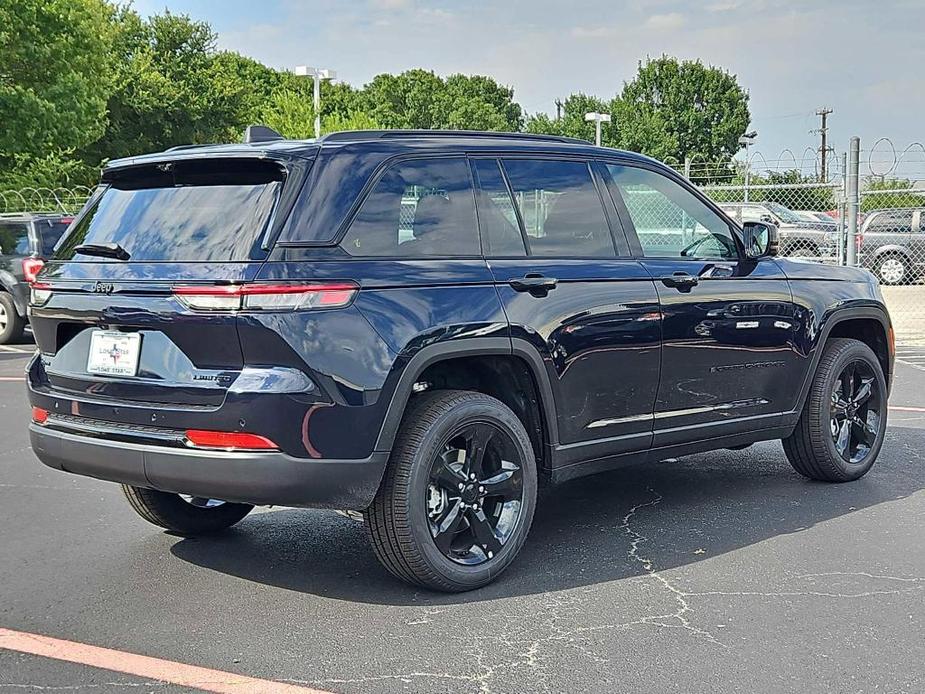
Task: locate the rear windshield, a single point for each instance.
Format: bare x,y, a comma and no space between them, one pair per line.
50,232
213,210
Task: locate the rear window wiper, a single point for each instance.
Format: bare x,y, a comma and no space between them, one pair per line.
104,250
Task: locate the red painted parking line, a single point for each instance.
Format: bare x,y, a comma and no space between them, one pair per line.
901,408
19,379
144,666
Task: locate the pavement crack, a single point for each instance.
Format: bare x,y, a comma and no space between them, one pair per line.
678,618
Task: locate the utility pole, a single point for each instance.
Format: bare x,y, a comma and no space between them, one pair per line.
597,119
559,106
823,132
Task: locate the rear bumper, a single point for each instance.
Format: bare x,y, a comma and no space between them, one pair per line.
260,478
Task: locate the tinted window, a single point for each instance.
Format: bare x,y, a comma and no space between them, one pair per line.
560,207
669,220
497,218
205,211
418,208
50,232
898,221
14,239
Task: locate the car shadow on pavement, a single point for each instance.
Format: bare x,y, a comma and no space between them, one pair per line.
677,512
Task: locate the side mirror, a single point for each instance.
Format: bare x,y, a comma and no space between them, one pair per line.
762,240
768,219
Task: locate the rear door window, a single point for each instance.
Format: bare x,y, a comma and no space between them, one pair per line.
14,238
215,210
891,222
562,212
421,207
498,223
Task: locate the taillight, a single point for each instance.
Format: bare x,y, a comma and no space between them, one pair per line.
39,416
266,297
40,293
858,240
31,268
228,440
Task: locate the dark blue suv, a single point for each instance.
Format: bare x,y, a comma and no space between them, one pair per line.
427,326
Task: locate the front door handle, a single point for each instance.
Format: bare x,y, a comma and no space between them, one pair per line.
681,281
536,284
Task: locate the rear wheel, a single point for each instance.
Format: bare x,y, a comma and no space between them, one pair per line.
841,429
893,269
457,499
182,513
11,323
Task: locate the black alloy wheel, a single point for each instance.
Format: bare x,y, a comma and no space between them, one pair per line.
857,406
475,496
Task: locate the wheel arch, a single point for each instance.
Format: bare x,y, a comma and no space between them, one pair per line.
868,325
485,365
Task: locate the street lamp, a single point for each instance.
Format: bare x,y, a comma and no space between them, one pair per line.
317,74
746,141
598,118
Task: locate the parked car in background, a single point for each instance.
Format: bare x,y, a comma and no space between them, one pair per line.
26,239
821,220
891,243
797,236
425,326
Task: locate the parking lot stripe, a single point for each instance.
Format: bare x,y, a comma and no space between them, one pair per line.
13,378
143,666
7,348
902,408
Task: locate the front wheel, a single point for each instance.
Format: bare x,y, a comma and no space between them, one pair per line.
457,499
184,514
841,429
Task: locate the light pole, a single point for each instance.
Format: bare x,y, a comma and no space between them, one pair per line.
746,140
317,74
598,118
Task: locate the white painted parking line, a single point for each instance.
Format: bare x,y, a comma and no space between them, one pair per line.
143,666
19,350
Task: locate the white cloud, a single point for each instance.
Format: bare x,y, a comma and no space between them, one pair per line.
666,22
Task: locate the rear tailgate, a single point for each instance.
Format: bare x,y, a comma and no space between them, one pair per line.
111,328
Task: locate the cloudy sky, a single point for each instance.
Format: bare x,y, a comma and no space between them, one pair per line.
863,58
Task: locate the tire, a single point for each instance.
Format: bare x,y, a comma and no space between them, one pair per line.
893,269
11,323
813,447
187,518
404,517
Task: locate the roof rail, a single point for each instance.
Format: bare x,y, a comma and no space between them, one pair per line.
353,135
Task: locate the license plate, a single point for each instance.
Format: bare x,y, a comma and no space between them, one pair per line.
114,353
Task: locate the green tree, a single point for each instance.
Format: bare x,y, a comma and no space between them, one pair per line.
573,123
54,78
173,88
675,109
420,99
875,200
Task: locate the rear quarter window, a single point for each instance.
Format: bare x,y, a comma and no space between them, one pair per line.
421,207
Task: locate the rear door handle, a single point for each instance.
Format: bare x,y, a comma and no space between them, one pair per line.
681,281
537,285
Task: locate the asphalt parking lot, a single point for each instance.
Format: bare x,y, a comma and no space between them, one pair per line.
724,572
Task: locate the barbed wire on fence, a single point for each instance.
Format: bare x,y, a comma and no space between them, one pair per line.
40,199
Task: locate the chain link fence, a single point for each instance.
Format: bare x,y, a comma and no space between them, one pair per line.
808,200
